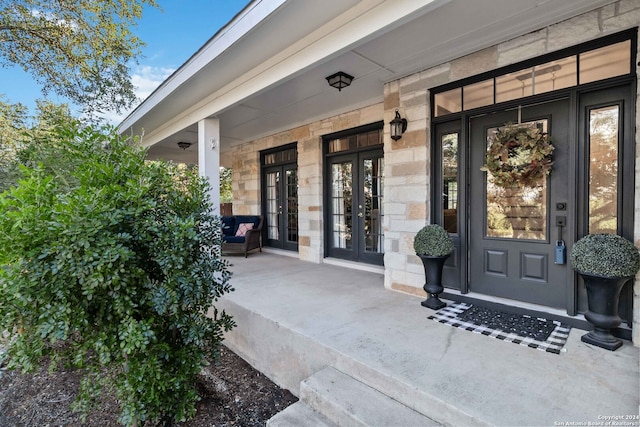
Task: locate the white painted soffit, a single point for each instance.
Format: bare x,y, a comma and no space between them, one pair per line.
345,23
272,78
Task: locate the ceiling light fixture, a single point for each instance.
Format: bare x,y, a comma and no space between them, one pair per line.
184,145
339,80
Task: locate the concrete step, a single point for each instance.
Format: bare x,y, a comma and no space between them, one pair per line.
349,402
299,415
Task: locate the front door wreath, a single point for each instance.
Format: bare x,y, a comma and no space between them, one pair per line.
519,156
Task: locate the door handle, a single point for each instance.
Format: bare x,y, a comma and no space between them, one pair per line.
360,215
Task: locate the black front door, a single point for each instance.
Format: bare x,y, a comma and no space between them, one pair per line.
513,232
355,206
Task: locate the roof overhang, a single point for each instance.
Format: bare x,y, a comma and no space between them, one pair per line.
265,70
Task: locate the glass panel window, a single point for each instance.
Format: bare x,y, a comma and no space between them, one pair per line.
449,153
512,86
284,156
273,209
269,159
341,204
373,205
555,75
597,64
290,155
448,102
606,62
292,205
517,212
353,142
343,144
542,78
603,169
370,138
478,94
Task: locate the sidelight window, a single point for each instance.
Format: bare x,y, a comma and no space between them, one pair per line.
604,135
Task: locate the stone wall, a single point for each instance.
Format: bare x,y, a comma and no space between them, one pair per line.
407,161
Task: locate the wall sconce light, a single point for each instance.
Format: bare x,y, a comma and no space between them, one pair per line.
184,145
398,126
339,80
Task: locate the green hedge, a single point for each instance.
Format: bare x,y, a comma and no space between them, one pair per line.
110,261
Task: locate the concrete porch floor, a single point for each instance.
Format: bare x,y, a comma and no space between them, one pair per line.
296,318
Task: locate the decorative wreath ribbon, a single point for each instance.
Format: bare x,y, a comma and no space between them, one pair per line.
519,156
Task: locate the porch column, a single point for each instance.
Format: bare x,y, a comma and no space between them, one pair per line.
209,157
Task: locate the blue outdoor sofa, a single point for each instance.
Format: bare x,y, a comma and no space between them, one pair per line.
248,238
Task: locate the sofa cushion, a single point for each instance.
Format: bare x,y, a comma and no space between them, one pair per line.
243,227
228,225
233,239
254,219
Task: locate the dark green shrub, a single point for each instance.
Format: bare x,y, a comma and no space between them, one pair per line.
111,264
605,255
432,240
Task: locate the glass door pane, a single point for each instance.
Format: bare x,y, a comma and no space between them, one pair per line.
603,170
449,155
273,205
373,205
292,205
341,200
517,212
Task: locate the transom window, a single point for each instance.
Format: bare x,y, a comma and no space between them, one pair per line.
282,156
354,142
585,67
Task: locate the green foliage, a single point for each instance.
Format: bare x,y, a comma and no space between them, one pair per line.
13,119
20,133
226,185
112,264
80,50
605,255
432,240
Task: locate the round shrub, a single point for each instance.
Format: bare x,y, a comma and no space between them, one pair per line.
432,240
605,255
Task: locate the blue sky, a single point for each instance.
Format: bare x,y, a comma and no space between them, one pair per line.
172,36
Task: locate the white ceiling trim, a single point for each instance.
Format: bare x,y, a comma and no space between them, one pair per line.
368,19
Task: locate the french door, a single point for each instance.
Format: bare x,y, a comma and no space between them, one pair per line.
514,231
280,198
355,206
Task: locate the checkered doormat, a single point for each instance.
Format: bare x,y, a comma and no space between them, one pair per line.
551,341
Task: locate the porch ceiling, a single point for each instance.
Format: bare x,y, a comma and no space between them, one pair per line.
437,32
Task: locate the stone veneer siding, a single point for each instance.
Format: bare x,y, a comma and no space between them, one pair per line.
407,161
245,161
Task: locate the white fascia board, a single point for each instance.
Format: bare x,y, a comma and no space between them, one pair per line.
347,29
239,26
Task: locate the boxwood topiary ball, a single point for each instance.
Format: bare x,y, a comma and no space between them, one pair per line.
605,255
432,240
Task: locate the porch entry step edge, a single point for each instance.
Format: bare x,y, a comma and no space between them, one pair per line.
346,401
297,415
